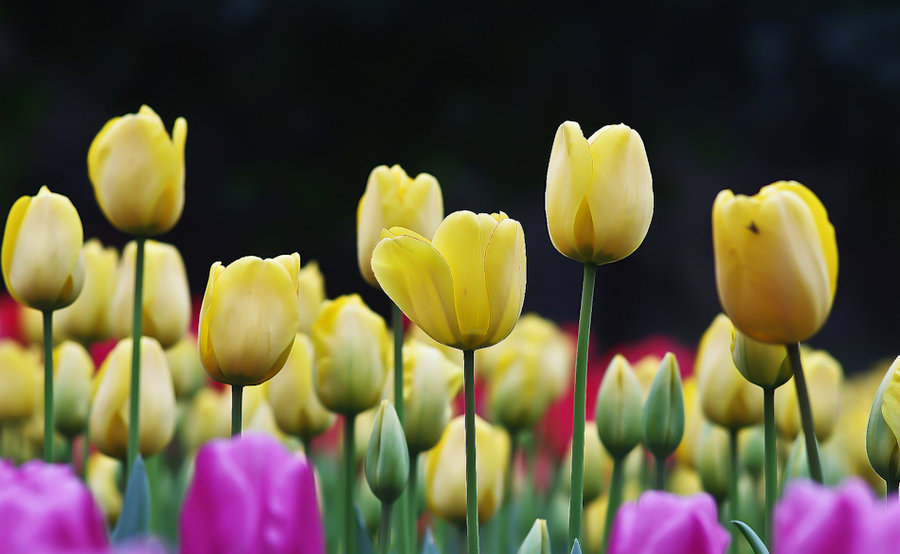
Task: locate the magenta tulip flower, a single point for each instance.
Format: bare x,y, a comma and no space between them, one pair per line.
663,522
250,495
46,508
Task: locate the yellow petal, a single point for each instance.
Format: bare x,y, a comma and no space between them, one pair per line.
568,180
207,352
504,265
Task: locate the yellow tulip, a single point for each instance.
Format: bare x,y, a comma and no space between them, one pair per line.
764,365
727,399
73,369
595,523
645,369
776,261
184,364
465,288
110,408
352,355
693,422
684,480
430,383
597,465
207,417
311,295
102,480
393,199
445,470
87,319
297,409
41,254
19,373
166,309
248,318
824,378
599,197
138,172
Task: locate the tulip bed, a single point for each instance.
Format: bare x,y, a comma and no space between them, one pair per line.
274,419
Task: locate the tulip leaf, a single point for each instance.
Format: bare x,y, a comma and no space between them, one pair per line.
752,538
428,546
576,548
363,542
134,521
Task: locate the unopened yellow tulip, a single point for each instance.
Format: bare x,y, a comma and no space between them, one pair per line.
311,295
599,197
352,355
110,409
138,172
430,383
248,318
166,308
776,261
824,378
41,254
445,470
207,418
73,369
298,411
727,399
764,365
393,199
465,288
87,319
103,482
184,364
19,375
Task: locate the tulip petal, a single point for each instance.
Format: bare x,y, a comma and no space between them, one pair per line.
504,269
10,238
568,180
207,353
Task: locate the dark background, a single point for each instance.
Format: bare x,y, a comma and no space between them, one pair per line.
290,105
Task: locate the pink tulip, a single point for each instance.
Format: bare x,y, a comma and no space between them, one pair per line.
250,495
663,522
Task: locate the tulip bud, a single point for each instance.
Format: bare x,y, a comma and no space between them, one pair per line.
19,373
310,296
138,172
73,369
352,355
184,363
248,318
619,408
764,365
110,408
712,460
166,309
537,541
599,196
393,199
882,430
102,477
87,319
430,383
207,418
297,409
597,465
387,458
824,377
41,254
663,417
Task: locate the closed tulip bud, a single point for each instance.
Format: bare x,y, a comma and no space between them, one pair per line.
393,199
884,428
110,407
73,369
87,319
42,263
445,470
764,365
138,172
248,318
102,477
166,309
597,465
387,457
297,409
430,383
310,296
184,364
776,261
537,541
352,355
207,418
712,460
619,408
19,373
599,197
465,288
663,418
727,399
824,377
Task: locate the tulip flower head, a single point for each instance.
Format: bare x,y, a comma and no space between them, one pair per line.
87,319
883,429
187,370
824,377
387,456
73,369
764,365
310,296
102,477
430,382
663,415
207,418
19,376
537,541
298,411
619,408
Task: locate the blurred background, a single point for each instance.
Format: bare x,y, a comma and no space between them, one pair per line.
291,104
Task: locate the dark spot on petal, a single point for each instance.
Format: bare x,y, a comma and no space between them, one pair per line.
753,228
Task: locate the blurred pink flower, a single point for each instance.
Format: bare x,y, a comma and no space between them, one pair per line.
664,522
250,495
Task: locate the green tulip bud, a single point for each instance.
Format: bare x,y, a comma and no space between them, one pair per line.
712,461
387,459
663,420
881,444
538,539
619,406
764,365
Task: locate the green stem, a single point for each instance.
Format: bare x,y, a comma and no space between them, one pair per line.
237,409
659,482
806,418
397,324
307,448
733,488
349,479
616,484
471,477
771,461
136,332
384,532
890,492
48,386
581,354
503,540
413,502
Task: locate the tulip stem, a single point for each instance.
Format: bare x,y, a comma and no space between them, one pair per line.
733,487
660,466
397,324
503,540
771,467
136,332
616,484
384,532
48,386
806,418
581,354
471,477
413,499
349,474
237,409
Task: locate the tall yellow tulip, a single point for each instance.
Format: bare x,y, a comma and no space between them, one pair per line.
297,409
87,319
19,373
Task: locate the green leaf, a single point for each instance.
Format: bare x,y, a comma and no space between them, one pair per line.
752,538
576,548
363,543
134,522
428,547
